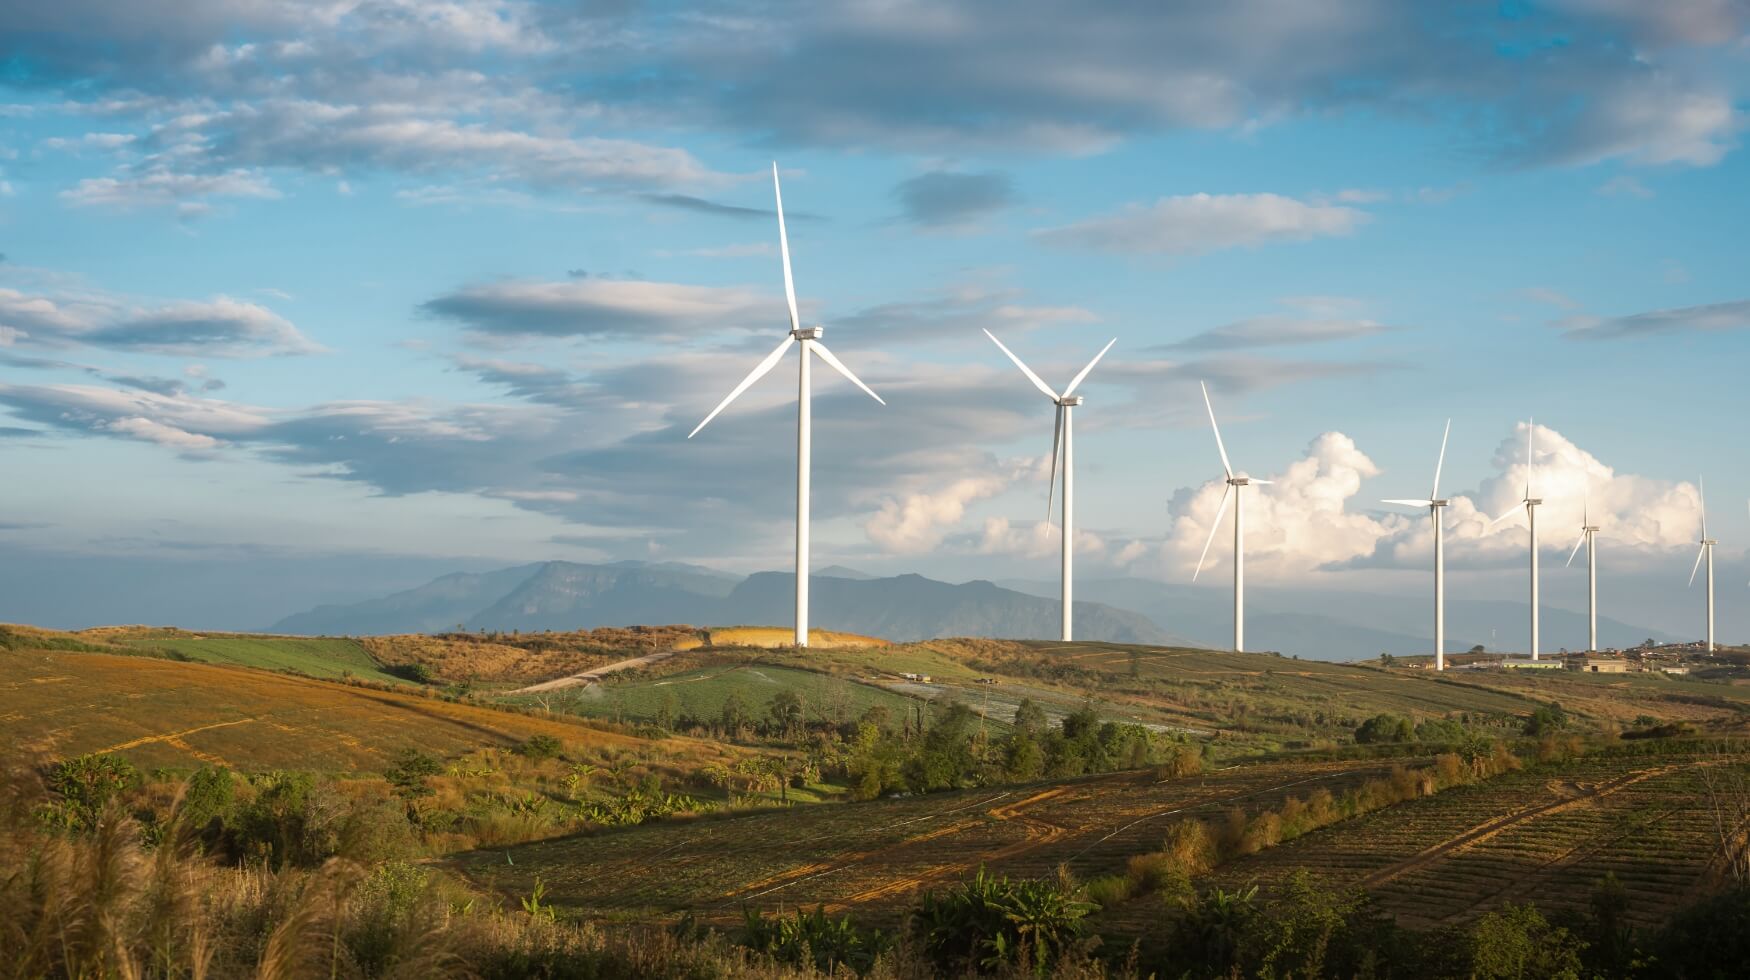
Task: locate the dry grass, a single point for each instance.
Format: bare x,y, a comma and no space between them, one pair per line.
169,713
783,636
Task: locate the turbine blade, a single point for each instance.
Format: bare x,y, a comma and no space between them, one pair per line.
1438,466
1214,526
1042,386
839,366
747,382
1254,481
1701,490
1056,440
1410,503
1576,550
784,247
1510,512
1090,367
1206,404
1697,568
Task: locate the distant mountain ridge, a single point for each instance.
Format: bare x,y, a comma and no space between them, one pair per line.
561,595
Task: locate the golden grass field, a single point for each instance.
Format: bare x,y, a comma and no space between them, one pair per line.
782,636
169,713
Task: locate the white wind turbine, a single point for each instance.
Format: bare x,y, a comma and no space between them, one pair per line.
1060,439
1707,551
1235,489
1530,504
1434,504
810,338
1588,533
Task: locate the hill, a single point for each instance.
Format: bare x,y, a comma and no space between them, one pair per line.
571,596
170,713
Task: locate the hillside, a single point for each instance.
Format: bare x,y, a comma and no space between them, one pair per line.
570,596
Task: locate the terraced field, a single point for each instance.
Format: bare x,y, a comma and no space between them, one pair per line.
171,713
1532,835
875,857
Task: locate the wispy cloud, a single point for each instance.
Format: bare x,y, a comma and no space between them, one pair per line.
1712,318
1196,223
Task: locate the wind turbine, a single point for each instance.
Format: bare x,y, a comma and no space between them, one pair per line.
1588,531
811,345
1060,439
1530,504
1235,489
1707,551
1434,504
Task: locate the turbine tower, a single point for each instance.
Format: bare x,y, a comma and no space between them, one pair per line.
1530,504
1588,531
1434,504
1236,486
811,345
1060,440
1707,551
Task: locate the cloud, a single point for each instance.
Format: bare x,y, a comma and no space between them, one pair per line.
602,308
944,198
1647,119
219,327
1639,515
1298,524
178,421
699,205
1712,318
959,312
1276,330
1624,185
188,194
917,523
1196,223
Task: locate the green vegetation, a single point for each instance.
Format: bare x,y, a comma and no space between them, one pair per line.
311,656
732,696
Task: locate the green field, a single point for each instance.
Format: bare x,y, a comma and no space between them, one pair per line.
325,657
702,693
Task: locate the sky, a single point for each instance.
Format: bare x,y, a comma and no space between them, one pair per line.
442,285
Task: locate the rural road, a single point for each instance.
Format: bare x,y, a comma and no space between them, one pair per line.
593,676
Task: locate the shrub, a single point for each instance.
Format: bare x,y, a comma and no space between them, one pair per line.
991,924
1517,942
409,772
416,672
539,747
1384,728
813,938
85,785
1546,719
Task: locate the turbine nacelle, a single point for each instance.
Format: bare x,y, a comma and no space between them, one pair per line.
808,333
1069,401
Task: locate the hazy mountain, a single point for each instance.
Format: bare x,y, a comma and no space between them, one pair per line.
911,607
566,595
1346,625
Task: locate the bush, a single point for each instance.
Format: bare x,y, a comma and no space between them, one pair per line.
415,672
540,747
1518,942
992,924
1384,729
813,938
409,772
85,785
1547,719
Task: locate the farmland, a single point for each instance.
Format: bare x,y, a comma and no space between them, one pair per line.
172,713
1541,835
874,858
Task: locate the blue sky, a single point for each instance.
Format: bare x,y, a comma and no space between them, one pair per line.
453,280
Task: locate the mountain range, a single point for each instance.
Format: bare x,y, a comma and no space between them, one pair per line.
561,595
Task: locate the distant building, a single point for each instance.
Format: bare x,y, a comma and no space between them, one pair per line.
1674,669
1532,664
1596,664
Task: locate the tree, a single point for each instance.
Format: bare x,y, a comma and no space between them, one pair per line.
1029,717
1384,728
1518,941
1546,719
786,711
1479,648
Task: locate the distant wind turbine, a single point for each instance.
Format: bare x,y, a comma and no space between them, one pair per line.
1236,486
1530,504
810,338
1588,531
1060,439
1707,551
1434,504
